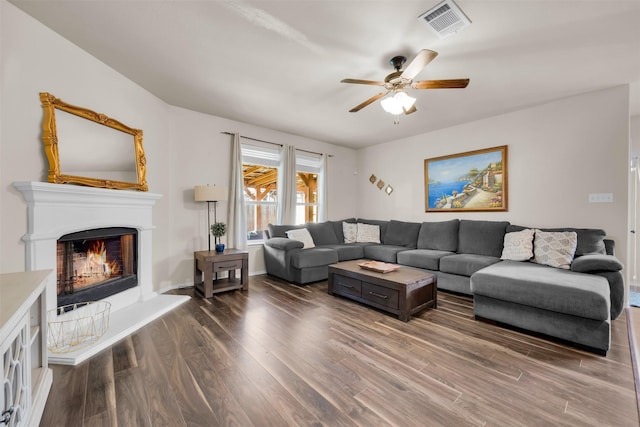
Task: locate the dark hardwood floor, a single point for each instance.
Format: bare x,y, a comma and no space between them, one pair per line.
293,355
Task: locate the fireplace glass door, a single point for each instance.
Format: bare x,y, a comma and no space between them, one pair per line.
95,264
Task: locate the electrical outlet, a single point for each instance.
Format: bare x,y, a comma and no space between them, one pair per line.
601,198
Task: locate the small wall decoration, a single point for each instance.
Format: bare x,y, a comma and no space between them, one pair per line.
380,184
475,181
388,190
372,178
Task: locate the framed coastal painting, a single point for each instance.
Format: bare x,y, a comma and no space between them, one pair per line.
475,181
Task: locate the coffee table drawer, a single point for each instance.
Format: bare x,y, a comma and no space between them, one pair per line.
379,295
344,285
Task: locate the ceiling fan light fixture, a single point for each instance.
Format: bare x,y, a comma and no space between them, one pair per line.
398,103
405,100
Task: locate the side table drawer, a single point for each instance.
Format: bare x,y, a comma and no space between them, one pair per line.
227,265
380,295
346,285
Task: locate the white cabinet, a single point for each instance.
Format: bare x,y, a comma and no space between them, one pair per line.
25,379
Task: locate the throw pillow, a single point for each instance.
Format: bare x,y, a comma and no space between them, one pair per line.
368,233
555,249
350,231
518,246
301,234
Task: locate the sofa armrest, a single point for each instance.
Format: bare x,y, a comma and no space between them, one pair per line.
596,262
284,244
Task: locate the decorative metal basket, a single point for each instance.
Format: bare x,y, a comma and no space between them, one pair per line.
74,326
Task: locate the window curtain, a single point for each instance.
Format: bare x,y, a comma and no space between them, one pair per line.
236,214
323,192
287,185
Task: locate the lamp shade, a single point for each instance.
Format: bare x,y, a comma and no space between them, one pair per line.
210,193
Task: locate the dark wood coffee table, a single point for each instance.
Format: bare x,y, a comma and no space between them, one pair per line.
403,292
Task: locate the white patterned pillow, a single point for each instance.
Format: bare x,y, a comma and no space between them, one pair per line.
518,246
303,235
368,233
555,249
350,232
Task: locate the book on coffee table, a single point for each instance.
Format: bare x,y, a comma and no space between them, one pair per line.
377,266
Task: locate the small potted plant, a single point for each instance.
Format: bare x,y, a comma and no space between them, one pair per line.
218,230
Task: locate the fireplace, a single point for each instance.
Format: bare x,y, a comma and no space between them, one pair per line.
95,264
59,213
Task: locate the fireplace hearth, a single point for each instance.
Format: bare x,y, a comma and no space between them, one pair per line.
95,264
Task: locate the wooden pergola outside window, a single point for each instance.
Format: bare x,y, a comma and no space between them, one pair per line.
261,185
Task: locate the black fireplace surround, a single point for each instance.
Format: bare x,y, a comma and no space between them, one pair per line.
95,264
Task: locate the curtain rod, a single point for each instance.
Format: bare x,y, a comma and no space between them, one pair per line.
273,143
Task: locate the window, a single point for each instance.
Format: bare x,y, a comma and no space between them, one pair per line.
260,172
307,170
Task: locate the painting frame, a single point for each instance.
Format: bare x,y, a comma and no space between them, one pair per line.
473,181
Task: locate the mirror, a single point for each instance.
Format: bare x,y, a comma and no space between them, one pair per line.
97,151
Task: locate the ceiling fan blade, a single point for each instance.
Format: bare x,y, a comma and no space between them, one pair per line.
367,102
362,82
413,109
441,84
422,59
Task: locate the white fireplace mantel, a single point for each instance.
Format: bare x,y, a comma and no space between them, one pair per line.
58,209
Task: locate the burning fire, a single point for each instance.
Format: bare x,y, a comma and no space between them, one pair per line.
96,262
93,266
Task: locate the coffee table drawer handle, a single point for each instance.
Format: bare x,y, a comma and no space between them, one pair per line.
378,295
346,286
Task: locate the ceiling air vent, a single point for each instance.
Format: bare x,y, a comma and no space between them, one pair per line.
445,19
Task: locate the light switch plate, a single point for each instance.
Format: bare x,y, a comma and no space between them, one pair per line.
601,198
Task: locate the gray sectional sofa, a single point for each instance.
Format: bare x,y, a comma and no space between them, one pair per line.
575,304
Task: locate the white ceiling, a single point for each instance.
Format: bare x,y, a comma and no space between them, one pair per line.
278,64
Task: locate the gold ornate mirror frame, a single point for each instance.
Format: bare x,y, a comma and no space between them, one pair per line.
51,146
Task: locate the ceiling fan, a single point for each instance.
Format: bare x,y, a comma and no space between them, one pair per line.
396,83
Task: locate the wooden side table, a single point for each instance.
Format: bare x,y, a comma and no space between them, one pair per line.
207,263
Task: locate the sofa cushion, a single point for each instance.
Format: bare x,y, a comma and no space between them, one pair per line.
400,233
337,228
590,240
465,264
348,252
518,245
301,234
314,257
439,236
367,233
535,285
422,258
555,249
481,237
385,253
281,230
322,233
596,262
